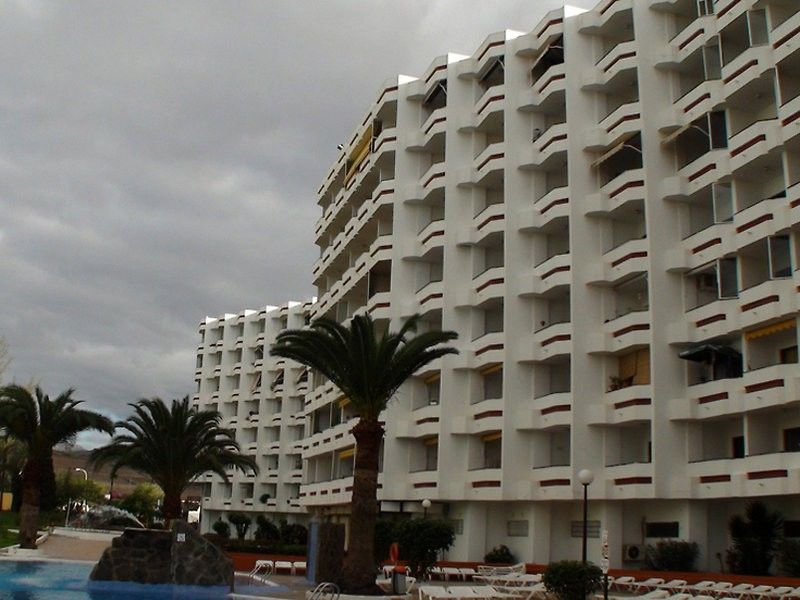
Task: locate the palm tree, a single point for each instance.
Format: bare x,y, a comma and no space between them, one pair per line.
173,445
39,424
368,368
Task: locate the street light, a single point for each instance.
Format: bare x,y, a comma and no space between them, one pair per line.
585,477
85,474
426,504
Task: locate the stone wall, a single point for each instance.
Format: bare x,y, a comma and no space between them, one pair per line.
180,556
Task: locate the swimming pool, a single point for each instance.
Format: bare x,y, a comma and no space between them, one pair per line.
52,580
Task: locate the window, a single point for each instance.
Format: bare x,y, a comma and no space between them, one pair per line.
728,278
737,446
780,260
492,452
668,529
705,7
723,202
432,391
718,129
757,21
592,529
788,356
791,439
431,456
712,62
493,385
517,528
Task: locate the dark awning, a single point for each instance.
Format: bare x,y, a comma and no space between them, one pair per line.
706,352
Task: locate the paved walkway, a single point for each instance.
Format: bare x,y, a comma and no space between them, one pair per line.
71,548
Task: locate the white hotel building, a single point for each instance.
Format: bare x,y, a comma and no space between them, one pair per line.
607,210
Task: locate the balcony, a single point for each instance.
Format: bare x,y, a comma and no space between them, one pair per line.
482,417
378,305
694,36
761,220
337,491
703,246
550,342
634,480
423,422
385,142
553,205
552,274
431,236
704,171
776,385
545,412
489,284
617,126
546,149
432,129
789,115
620,58
490,162
632,404
771,299
786,37
746,68
621,262
694,104
552,483
491,102
422,484
594,20
709,400
623,189
714,319
490,220
771,474
483,351
483,484
430,297
624,332
546,90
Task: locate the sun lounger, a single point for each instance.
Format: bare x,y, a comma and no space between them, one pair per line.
433,592
283,565
449,572
703,597
720,587
647,585
623,583
673,585
298,566
700,586
490,592
795,593
467,572
654,595
740,590
757,592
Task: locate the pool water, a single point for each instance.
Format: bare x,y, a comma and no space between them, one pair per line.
50,580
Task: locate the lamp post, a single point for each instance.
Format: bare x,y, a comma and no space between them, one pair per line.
85,474
586,477
426,504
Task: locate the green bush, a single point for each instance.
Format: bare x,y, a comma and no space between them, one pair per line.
420,541
258,547
266,530
572,579
384,536
241,523
222,529
755,540
293,534
77,488
671,555
789,558
499,555
143,501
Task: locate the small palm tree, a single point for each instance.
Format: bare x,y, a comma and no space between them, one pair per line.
368,368
39,424
173,445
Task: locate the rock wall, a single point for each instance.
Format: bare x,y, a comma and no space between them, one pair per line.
180,556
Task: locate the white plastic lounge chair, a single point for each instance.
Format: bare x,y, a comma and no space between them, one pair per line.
449,572
720,587
298,566
467,572
647,585
703,597
654,595
700,586
283,565
756,592
623,584
795,593
388,570
433,591
740,590
680,596
487,591
673,585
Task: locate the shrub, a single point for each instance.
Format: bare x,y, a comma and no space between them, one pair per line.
222,529
499,555
420,541
572,579
293,534
266,530
263,498
671,555
755,540
384,536
143,501
241,522
789,558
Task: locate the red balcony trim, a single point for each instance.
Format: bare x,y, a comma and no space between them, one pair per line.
764,385
714,478
489,47
771,474
627,257
425,484
431,178
488,414
556,77
312,493
706,96
565,337
709,320
489,348
633,480
427,420
384,141
434,122
490,100
489,158
436,70
323,493
336,491
791,119
727,8
554,203
387,90
619,58
706,245
633,402
631,328
786,38
712,398
605,9
489,220
702,171
377,306
302,494
759,138
349,488
555,270
691,38
429,298
554,482
621,121
486,484
754,222
548,25
495,281
553,140
432,235
622,188
740,70
556,409
761,302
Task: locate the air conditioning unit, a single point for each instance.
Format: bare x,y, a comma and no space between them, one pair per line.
632,553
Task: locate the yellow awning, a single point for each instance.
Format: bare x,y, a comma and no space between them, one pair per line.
490,437
348,453
344,401
613,151
675,135
433,377
431,441
360,152
769,329
491,369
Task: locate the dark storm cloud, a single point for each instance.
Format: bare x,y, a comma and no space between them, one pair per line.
158,163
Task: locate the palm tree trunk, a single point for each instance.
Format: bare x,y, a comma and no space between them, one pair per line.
358,574
172,507
29,511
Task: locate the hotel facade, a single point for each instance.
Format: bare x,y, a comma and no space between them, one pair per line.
607,210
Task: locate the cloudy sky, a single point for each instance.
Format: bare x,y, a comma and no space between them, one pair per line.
159,161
